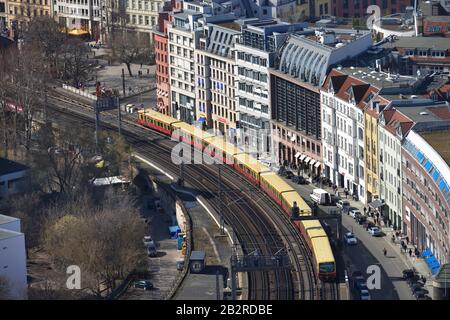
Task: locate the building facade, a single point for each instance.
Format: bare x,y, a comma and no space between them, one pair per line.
302,66
183,31
393,126
3,15
255,54
83,15
357,8
21,12
142,15
13,264
13,177
161,43
344,99
426,191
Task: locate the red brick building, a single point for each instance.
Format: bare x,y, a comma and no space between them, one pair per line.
160,40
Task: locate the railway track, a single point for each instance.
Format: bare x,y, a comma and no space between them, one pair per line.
256,231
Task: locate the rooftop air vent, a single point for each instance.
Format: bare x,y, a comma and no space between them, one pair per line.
423,113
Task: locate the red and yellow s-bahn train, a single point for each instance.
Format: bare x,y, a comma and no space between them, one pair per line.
258,174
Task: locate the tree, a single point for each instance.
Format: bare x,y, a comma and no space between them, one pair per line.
128,48
76,63
44,33
104,240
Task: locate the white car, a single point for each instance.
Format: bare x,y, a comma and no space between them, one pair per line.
343,204
354,212
374,231
147,240
350,238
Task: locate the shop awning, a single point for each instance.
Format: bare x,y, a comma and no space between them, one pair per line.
297,155
307,160
317,164
376,204
294,137
427,253
312,162
303,156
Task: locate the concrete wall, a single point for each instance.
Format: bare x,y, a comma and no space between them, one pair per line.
13,263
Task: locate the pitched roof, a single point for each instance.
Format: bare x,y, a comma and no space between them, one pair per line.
9,166
395,119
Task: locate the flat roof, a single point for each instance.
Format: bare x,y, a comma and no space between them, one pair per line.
419,42
197,255
7,234
425,112
291,196
159,116
276,181
229,25
223,145
440,142
7,219
322,249
8,166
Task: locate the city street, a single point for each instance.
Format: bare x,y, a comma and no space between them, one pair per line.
368,251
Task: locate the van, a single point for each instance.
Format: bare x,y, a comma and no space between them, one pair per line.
320,196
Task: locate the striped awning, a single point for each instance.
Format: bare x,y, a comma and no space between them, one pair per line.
312,162
303,156
297,155
318,164
307,160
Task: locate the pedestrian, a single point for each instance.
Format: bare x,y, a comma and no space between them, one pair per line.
148,71
410,252
384,252
141,65
365,210
407,240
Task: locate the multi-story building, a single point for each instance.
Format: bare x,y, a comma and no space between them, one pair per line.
357,8
13,177
142,15
419,55
13,263
21,12
83,15
255,54
160,41
215,78
344,99
426,178
184,31
3,15
393,126
302,66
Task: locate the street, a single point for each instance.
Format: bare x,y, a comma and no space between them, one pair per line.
368,251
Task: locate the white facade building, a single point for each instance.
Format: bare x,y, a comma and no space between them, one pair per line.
79,14
342,103
142,15
13,267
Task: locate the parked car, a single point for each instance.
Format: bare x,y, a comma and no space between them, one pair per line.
143,284
334,199
419,289
350,238
289,174
408,273
361,219
353,212
343,204
421,295
358,280
147,239
151,249
364,295
374,231
299,180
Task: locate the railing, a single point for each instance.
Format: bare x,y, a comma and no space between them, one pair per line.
79,92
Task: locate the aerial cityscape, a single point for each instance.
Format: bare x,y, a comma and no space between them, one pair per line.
224,150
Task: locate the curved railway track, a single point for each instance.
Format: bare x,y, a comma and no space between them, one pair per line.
264,232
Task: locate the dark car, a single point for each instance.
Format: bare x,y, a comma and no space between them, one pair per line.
413,280
421,295
334,199
289,174
408,273
143,284
299,180
419,289
361,219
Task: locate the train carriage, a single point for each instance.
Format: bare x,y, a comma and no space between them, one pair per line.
249,167
157,121
221,149
319,244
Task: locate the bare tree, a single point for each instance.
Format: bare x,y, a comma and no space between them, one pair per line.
128,48
105,241
75,60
